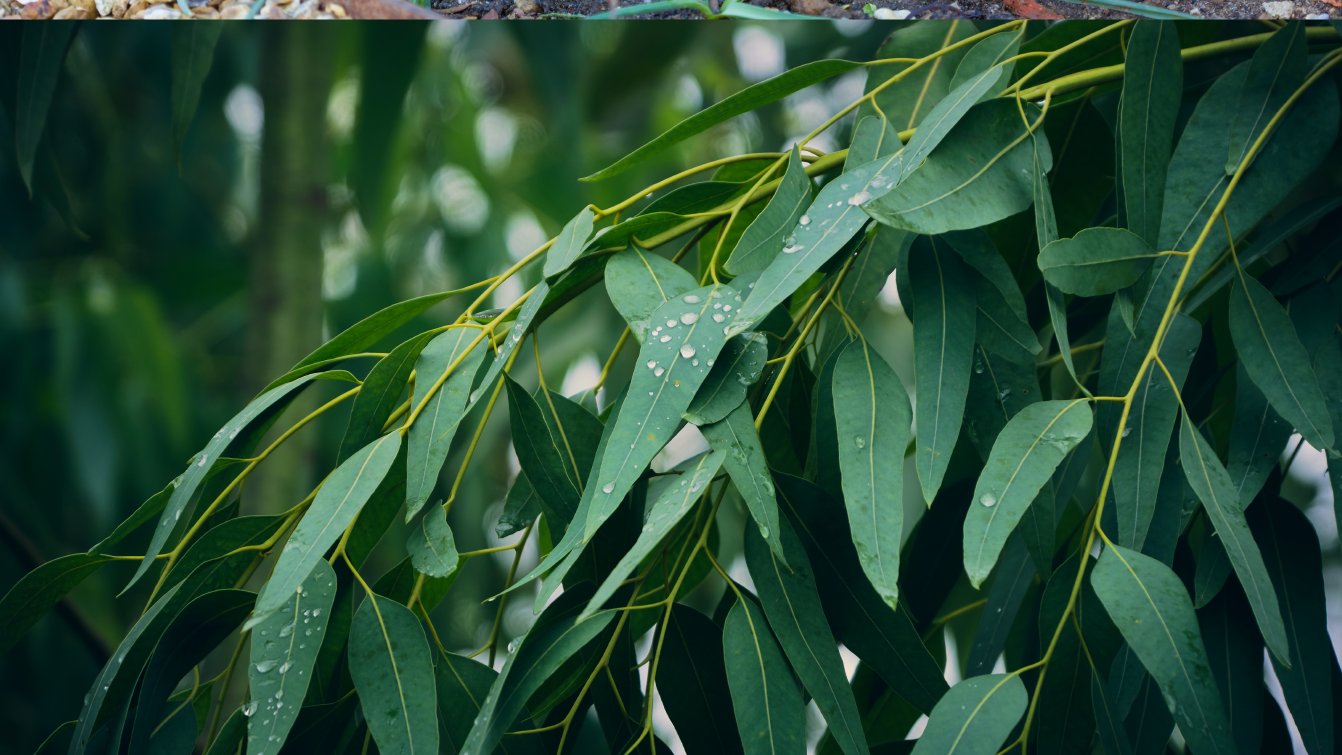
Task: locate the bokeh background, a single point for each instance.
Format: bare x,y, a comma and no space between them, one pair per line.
332,170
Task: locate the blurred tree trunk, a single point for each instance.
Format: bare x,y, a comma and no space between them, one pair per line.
286,273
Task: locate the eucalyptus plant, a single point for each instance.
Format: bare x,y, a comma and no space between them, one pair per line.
1117,243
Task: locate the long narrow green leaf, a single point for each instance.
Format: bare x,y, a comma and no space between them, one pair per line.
738,367
1257,438
1096,261
908,101
432,548
462,686
569,244
1276,71
832,221
692,682
192,55
975,717
793,608
978,174
340,499
882,636
389,60
1150,606
148,510
1152,90
1108,724
1002,324
873,137
743,457
763,239
638,282
43,54
543,458
688,335
1217,492
1291,553
1276,361
1235,651
983,56
392,669
431,435
872,417
1023,459
41,589
668,511
223,539
948,112
379,396
766,700
744,101
943,347
284,651
1015,576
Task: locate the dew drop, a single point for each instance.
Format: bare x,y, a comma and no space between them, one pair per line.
1127,431
286,631
805,220
710,363
692,299
689,318
652,364
861,197
265,666
717,317
608,488
307,632
203,458
978,368
988,500
695,363
316,612
792,249
860,441
648,527
250,708
664,339
658,372
670,323
764,532
687,351
285,668
716,294
727,308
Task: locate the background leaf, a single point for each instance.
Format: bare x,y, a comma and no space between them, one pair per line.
692,680
765,697
1152,89
192,55
393,671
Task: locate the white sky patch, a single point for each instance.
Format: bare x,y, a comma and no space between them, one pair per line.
759,53
462,203
495,136
522,234
581,375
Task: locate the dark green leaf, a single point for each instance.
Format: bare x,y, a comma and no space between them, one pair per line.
520,508
1291,553
432,549
41,589
883,637
1152,88
202,624
543,457
379,396
792,605
639,282
763,239
1002,324
998,388
1272,354
225,538
43,55
1312,263
320,728
1257,438
1023,459
872,417
54,736
462,685
743,457
975,717
1096,261
192,54
765,699
1066,715
669,509
1277,70
229,738
569,243
1150,606
284,651
949,111
393,672
148,510
908,101
1150,723
990,52
1217,491
865,280
692,681
431,435
338,502
738,367
1108,724
978,174
873,137
943,347
743,101
1015,575
1235,651
389,61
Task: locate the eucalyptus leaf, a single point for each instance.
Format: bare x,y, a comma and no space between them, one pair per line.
148,510
1276,71
743,457
1235,651
431,435
1257,438
569,243
543,457
40,590
765,698
950,110
379,396
738,367
639,282
1014,577
432,549
392,669
873,137
907,101
1152,89
192,54
692,682
40,64
1096,261
974,717
462,686
763,239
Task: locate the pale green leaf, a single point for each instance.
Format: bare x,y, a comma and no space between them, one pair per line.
949,111
735,436
431,435
873,137
763,239
432,549
1096,261
569,243
736,369
975,717
908,101
638,282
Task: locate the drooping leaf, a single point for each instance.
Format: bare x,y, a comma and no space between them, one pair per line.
998,389
1276,71
743,457
1152,88
41,589
1235,652
1023,459
520,508
431,435
1257,438
148,510
339,501
40,63
763,239
1065,710
882,636
53,737
757,95
1291,554
284,651
975,717
1150,607
202,624
1150,723
1108,725
990,52
978,174
692,682
948,112
201,464
543,457
569,243
671,367
379,396
462,686
736,369
551,641
862,286
943,347
1002,324
668,510
393,672
1276,361
1015,575
832,221
225,538
192,55
432,549
639,282
908,101
792,605
873,137
1096,261
388,62
872,417
1217,492
765,699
